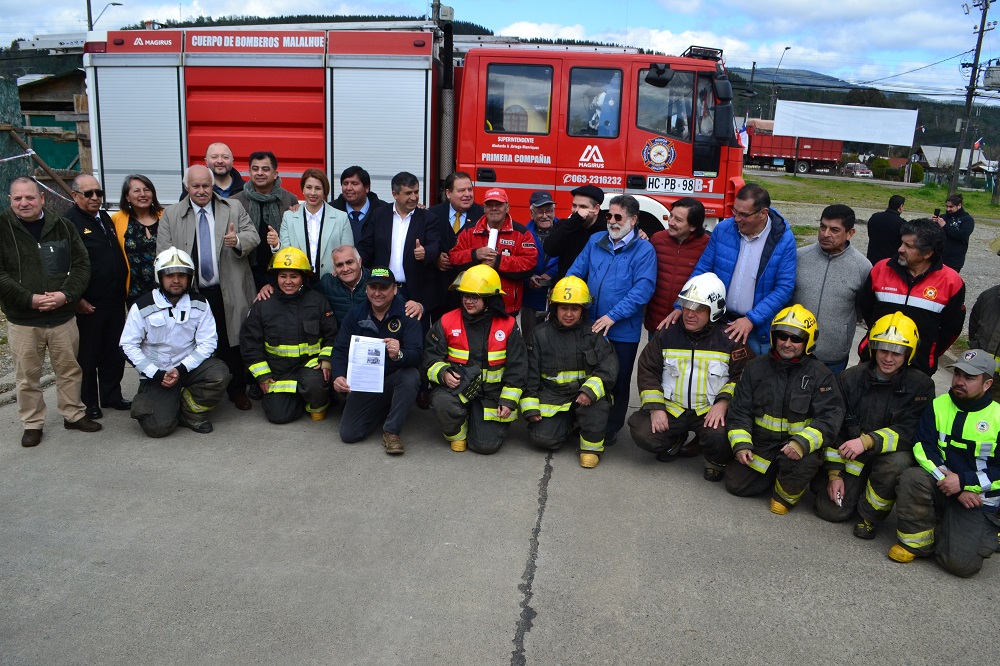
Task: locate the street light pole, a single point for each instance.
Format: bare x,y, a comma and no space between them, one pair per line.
91,21
774,91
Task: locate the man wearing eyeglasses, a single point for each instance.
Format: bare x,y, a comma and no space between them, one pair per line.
753,253
101,310
44,268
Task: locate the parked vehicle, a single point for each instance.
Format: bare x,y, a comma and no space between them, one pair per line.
407,96
798,154
857,170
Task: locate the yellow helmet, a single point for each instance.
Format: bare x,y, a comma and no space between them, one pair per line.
896,333
570,291
290,259
481,280
797,321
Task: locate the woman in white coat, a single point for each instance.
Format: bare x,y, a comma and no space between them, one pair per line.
315,228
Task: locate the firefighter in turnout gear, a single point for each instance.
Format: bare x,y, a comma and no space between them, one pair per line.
287,341
477,358
948,505
787,406
687,375
169,337
884,399
570,369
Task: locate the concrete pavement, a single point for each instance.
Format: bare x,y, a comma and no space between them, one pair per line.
282,545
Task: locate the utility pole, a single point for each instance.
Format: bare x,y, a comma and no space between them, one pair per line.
984,5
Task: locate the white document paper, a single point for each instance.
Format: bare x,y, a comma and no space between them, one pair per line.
492,242
366,364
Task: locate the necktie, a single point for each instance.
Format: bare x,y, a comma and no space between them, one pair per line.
356,224
457,223
205,246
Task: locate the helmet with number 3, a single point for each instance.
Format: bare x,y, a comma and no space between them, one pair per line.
570,291
290,259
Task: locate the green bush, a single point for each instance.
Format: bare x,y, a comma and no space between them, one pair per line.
916,173
879,167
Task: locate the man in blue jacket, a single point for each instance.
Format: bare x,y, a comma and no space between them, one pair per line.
619,268
753,253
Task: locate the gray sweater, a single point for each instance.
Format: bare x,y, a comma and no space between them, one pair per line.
828,287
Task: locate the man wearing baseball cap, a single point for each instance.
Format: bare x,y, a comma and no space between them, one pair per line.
536,288
948,505
499,242
381,315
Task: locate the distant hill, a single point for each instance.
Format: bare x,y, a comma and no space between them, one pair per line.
793,77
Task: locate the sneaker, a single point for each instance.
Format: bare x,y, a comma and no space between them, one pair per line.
200,427
458,445
392,443
589,460
83,425
900,554
31,437
865,530
778,508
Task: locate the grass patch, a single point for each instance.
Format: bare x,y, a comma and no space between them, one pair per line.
804,234
872,194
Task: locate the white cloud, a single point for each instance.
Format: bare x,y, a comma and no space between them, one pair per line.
528,30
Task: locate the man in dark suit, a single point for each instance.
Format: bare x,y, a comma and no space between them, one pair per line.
407,240
101,309
356,199
883,231
454,214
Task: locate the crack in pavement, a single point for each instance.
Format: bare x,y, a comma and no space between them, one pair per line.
528,613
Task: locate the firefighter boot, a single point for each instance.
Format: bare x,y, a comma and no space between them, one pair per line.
778,508
865,529
589,460
458,445
900,554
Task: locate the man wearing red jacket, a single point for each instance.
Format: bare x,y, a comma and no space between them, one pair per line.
919,285
513,254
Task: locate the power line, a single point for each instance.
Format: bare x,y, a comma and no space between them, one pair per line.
891,76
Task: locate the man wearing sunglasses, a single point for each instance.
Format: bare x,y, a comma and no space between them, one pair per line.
101,310
786,408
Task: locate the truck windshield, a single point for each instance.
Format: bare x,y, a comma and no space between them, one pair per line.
666,111
518,99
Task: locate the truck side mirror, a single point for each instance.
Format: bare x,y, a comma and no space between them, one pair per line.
723,90
659,75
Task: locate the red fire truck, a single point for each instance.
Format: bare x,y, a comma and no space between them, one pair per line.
394,97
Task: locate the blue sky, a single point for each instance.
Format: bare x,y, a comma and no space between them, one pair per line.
856,40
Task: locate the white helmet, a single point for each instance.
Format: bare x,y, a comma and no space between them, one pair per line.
705,289
173,260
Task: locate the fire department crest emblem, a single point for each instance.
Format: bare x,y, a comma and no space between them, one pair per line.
658,154
395,325
982,426
930,293
500,335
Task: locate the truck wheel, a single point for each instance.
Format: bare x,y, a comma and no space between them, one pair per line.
802,166
650,224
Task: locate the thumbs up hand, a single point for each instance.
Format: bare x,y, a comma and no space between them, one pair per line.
230,238
272,237
419,252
